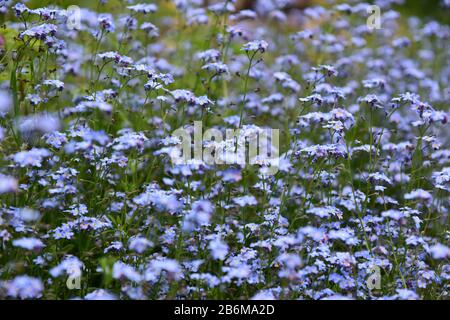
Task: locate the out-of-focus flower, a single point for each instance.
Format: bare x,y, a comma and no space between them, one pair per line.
25,287
100,294
200,215
29,243
218,248
256,45
8,184
439,251
139,244
33,157
5,102
144,8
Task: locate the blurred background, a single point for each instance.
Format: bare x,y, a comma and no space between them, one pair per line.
432,9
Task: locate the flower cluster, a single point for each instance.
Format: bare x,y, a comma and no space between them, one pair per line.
88,188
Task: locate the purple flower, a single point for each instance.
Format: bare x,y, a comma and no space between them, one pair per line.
216,67
405,294
42,123
200,215
139,244
106,22
70,266
25,287
419,194
218,248
40,32
245,201
8,184
29,243
325,212
144,8
156,267
100,294
256,45
6,102
439,251
124,271
33,157
20,8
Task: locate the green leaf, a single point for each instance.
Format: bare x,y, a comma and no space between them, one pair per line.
13,84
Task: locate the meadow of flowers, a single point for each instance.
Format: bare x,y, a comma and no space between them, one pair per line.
93,207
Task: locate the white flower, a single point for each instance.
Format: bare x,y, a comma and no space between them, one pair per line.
25,287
